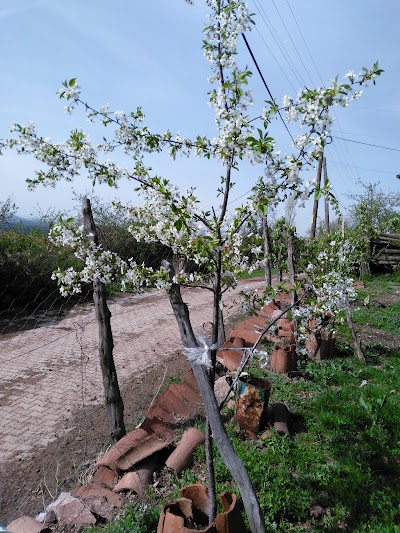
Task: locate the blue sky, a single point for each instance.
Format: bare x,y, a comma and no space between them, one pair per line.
131,53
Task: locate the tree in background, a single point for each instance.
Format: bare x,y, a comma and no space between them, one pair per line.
8,208
374,211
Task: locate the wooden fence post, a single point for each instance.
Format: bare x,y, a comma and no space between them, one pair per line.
113,399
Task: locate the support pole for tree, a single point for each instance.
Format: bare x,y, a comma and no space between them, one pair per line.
220,437
113,399
327,228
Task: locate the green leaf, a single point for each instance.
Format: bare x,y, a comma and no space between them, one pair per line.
178,224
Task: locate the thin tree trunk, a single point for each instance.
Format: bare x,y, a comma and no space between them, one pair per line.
221,328
267,251
226,450
113,399
356,344
212,491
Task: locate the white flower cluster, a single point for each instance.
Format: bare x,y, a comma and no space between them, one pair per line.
97,264
330,291
231,98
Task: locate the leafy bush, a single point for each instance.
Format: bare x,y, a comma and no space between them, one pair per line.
27,261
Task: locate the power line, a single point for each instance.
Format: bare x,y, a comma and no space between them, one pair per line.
304,41
291,40
264,82
366,144
277,62
278,41
341,156
363,168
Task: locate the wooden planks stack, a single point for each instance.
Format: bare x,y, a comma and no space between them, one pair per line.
386,249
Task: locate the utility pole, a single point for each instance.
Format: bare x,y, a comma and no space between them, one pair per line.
317,188
327,229
315,207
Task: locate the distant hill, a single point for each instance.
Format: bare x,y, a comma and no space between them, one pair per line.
24,225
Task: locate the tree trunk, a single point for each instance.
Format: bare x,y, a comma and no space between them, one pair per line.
221,328
113,399
267,251
356,344
226,450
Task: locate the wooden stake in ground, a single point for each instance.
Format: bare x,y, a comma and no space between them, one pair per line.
113,399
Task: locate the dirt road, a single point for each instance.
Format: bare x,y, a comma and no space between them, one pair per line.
48,372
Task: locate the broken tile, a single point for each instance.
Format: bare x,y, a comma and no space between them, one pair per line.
182,456
25,524
186,392
93,491
170,407
99,506
189,379
104,476
125,444
71,511
143,449
280,416
136,481
159,428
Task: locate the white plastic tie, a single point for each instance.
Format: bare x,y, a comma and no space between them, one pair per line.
201,355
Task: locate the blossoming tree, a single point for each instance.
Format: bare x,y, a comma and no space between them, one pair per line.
212,238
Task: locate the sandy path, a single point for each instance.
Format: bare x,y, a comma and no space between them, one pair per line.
48,372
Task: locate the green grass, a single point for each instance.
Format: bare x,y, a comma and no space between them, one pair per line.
344,457
255,274
378,286
387,319
372,315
